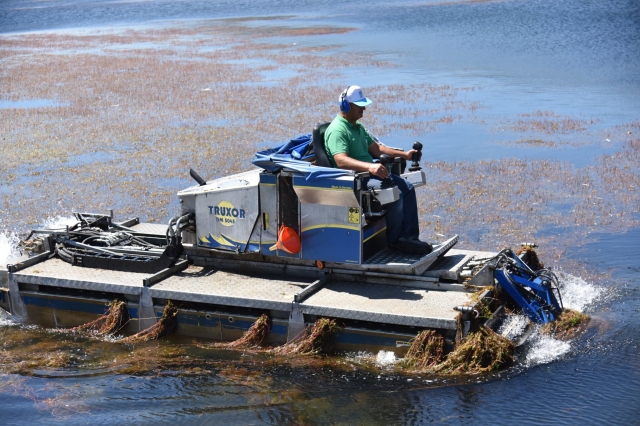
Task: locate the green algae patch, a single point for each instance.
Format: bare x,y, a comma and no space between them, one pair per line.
568,324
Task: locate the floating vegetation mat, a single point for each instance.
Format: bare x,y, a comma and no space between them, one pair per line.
481,351
567,325
549,123
112,321
105,133
499,201
164,326
426,351
253,337
318,339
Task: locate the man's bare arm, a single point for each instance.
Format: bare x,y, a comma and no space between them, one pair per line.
376,150
343,161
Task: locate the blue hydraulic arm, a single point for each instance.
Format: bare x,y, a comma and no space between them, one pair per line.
534,292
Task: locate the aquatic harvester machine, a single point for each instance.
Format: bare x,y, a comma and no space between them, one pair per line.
293,238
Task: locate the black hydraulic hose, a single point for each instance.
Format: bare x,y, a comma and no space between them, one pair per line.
64,254
557,290
93,237
143,242
88,247
176,231
170,232
115,225
553,278
132,238
177,220
186,217
186,225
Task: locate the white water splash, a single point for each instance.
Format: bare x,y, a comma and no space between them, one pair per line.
540,348
58,222
9,241
544,349
513,326
577,294
6,318
385,358
9,251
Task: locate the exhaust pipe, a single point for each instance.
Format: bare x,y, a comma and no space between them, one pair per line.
197,177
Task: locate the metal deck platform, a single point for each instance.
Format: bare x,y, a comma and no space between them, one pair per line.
377,303
386,304
205,285
449,266
57,273
390,291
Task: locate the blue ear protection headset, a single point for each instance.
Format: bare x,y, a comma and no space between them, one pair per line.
344,105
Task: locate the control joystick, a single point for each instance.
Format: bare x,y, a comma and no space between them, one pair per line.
386,161
415,165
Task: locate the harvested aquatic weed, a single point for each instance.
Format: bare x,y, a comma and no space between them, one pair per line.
481,300
318,339
567,325
426,351
112,321
164,326
251,338
530,257
481,351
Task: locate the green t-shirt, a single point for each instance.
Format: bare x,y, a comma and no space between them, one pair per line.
343,137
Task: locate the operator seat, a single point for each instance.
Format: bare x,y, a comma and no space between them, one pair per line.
371,203
317,139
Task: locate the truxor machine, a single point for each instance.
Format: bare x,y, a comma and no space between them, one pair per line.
294,239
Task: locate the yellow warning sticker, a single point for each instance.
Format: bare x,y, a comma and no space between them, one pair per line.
354,215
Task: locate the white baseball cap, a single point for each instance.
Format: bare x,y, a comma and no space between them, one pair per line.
355,96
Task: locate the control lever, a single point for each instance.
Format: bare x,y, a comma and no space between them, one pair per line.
415,165
397,166
385,160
